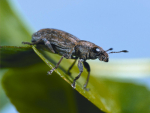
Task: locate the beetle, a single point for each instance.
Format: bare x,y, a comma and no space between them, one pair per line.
70,47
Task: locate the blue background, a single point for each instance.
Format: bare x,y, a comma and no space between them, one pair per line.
120,24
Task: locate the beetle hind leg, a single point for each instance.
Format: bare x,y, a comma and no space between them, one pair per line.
27,43
48,44
33,43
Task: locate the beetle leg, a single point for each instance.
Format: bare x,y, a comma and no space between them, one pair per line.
80,66
48,44
27,43
86,65
71,67
33,43
72,64
51,71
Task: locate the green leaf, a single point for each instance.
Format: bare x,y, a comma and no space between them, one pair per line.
12,56
109,94
30,89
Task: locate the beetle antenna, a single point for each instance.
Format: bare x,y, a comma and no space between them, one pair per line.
109,49
125,51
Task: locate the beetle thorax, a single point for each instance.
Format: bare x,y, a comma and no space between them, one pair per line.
83,50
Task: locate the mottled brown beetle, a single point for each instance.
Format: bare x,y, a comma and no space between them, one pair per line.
70,47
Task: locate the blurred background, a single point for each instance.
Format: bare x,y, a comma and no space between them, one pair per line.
117,24
122,25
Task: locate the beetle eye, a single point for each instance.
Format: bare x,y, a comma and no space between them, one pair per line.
97,50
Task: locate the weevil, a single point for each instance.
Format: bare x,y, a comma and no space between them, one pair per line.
70,47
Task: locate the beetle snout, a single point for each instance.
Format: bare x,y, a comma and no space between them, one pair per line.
103,58
107,59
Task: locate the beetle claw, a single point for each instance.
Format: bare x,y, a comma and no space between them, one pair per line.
84,87
73,85
50,72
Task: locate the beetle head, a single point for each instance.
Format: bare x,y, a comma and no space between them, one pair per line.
103,55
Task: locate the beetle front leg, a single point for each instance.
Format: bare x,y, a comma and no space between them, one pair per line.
51,71
80,66
87,66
